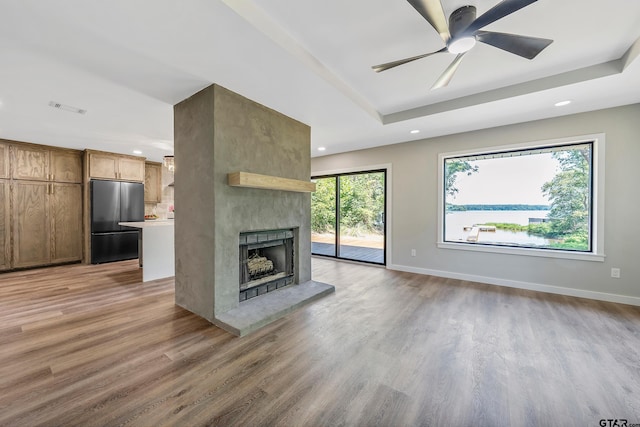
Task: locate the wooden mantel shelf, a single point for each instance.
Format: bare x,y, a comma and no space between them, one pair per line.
267,182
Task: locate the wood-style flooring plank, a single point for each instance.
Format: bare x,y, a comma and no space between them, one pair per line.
94,346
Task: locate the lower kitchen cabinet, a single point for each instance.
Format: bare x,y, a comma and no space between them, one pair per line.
65,208
31,238
46,223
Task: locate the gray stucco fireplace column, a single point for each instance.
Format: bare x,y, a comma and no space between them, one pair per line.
218,132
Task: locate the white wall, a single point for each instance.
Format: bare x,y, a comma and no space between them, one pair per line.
415,208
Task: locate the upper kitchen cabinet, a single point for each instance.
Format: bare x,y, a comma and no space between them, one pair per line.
104,165
131,169
30,162
38,163
66,166
4,160
152,182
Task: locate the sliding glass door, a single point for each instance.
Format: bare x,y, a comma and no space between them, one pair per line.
348,214
323,217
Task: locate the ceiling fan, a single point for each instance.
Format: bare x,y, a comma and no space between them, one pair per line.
464,29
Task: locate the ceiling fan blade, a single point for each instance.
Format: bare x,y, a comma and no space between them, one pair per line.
446,77
386,66
432,11
499,11
527,47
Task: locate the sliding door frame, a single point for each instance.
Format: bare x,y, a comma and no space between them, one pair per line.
337,174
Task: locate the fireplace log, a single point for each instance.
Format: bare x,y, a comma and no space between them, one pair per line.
259,264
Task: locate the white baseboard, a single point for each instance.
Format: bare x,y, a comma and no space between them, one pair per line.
581,293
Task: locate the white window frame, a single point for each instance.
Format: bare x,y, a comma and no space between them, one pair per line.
597,231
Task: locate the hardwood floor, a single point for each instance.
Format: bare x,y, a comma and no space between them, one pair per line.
92,345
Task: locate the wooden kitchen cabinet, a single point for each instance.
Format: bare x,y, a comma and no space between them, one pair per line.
65,209
38,163
40,205
47,223
31,223
66,166
5,227
131,169
152,182
104,165
4,160
30,162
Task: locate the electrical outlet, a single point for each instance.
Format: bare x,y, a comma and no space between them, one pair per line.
615,273
413,252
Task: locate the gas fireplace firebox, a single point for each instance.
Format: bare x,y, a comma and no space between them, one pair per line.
266,262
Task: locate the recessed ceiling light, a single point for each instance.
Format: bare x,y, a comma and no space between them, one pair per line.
562,103
415,131
137,152
321,148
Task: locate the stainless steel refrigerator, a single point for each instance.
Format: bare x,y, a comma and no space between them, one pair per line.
113,202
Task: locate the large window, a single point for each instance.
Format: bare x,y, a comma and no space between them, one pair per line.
348,216
540,198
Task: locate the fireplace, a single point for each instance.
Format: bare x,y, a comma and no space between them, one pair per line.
266,262
218,133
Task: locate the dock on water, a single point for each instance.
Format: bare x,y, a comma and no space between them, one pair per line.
474,231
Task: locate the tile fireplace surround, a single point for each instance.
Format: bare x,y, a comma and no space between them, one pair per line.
218,132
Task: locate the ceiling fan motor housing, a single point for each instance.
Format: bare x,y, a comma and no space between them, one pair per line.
460,19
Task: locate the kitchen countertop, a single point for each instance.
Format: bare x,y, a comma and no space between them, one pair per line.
152,223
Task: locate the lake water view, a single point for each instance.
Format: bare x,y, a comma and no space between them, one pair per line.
456,222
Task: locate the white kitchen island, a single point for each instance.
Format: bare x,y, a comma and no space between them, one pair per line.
158,257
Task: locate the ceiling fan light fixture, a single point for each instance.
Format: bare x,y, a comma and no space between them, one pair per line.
461,45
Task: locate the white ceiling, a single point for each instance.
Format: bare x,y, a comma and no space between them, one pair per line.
128,61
